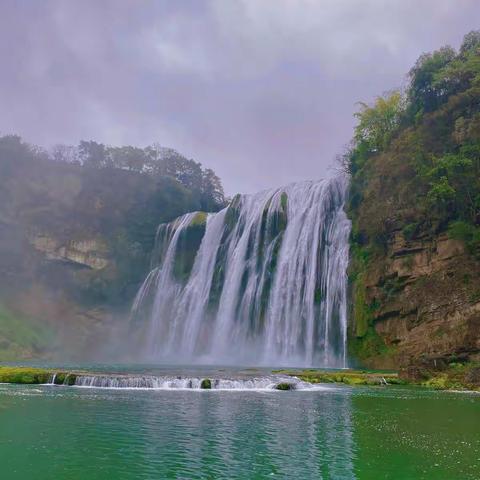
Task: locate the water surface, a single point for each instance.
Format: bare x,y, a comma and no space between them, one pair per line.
56,432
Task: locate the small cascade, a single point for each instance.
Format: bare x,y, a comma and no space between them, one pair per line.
270,382
52,381
261,282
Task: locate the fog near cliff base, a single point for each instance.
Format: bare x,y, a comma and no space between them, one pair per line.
262,92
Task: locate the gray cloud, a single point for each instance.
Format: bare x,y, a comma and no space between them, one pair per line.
261,91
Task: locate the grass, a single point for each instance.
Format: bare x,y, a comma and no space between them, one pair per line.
348,377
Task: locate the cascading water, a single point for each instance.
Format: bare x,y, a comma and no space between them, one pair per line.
148,382
261,282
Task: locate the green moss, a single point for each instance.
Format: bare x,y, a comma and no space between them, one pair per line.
29,375
369,346
284,201
348,377
438,383
188,244
206,384
24,375
65,378
199,219
360,308
285,386
233,212
60,378
70,379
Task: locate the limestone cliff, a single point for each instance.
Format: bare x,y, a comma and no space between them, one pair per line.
87,252
422,303
415,209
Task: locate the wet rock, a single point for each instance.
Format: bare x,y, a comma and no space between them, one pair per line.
285,386
206,384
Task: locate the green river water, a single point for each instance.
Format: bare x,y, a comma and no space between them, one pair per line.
57,432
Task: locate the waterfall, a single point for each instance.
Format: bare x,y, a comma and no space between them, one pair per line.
147,382
261,282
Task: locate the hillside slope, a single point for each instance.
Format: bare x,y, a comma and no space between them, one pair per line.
77,227
415,206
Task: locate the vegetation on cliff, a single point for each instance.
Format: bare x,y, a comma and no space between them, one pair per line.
22,337
414,201
77,227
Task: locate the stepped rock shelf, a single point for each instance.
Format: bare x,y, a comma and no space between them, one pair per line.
456,377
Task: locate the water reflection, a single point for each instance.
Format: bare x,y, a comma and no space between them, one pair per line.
341,433
245,435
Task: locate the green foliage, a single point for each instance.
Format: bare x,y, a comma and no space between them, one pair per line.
21,337
468,233
457,376
410,230
377,123
425,94
414,164
441,193
454,186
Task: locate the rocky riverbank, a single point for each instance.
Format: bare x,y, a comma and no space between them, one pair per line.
455,377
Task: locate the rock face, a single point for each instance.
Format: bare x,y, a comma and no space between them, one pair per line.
426,297
91,253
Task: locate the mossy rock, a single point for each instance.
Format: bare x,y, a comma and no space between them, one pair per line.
285,386
233,212
24,375
188,244
63,378
199,219
349,377
206,384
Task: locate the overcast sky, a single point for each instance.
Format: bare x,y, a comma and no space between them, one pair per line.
262,91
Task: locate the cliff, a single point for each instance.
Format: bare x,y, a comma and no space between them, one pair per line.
414,204
76,235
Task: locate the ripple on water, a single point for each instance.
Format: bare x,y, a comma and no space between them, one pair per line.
341,433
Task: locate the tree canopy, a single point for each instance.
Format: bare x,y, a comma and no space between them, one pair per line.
428,140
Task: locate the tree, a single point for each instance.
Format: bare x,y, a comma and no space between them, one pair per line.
378,122
471,42
64,153
424,94
128,158
92,154
213,195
